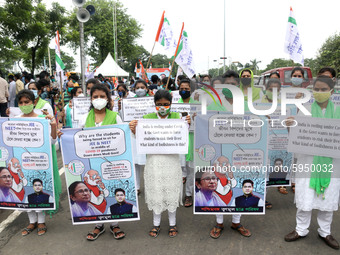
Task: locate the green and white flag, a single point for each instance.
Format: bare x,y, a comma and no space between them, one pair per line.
184,56
293,44
165,36
58,62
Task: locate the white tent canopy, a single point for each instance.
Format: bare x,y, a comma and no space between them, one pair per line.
110,68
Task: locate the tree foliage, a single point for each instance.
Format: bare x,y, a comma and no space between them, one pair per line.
30,26
98,33
329,53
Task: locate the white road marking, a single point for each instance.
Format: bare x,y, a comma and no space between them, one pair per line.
16,213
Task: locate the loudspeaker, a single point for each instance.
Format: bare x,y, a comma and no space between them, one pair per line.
91,9
83,15
79,3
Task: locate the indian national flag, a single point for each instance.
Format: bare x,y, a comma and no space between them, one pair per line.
184,56
293,44
165,36
59,63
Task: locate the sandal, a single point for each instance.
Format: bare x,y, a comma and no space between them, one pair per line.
42,229
116,233
173,231
216,231
29,229
188,201
95,235
155,230
293,187
268,205
184,179
242,230
282,190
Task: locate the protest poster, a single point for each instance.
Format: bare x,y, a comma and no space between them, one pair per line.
166,136
185,109
100,174
230,158
25,154
80,107
136,107
315,136
279,159
175,96
115,100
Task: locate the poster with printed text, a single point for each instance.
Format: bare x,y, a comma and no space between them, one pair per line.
230,158
100,174
26,176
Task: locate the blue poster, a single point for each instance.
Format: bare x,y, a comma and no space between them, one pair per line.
26,175
100,174
230,155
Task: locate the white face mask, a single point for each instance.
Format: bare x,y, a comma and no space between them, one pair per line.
140,92
99,103
81,95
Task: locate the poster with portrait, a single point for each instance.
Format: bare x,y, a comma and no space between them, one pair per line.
100,174
26,176
230,158
279,159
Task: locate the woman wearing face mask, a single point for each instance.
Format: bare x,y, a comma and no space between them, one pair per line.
317,189
75,92
163,173
101,115
271,84
247,82
26,100
141,89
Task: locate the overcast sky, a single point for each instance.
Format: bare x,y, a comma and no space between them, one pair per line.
254,29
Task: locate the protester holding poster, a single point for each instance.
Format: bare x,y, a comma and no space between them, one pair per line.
75,92
141,90
26,100
162,173
101,115
188,169
317,189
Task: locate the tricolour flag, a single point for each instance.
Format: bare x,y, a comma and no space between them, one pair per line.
184,56
165,36
142,72
293,44
58,62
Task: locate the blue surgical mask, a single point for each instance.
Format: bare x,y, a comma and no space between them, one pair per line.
35,92
296,81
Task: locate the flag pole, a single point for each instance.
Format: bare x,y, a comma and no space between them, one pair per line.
156,40
49,59
173,61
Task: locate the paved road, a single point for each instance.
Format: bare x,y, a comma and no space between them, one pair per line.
193,238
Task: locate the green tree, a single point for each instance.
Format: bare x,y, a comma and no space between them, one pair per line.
98,32
160,61
329,53
254,65
30,26
279,62
312,64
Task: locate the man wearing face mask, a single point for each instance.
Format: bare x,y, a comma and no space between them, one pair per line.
66,97
37,89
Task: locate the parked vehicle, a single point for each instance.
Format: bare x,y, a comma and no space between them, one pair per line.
285,76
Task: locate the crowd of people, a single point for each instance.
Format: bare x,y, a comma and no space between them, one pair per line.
165,175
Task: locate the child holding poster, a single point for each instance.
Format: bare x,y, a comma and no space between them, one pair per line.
26,101
163,173
317,189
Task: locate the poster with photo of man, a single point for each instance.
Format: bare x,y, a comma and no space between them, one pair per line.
230,155
100,174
